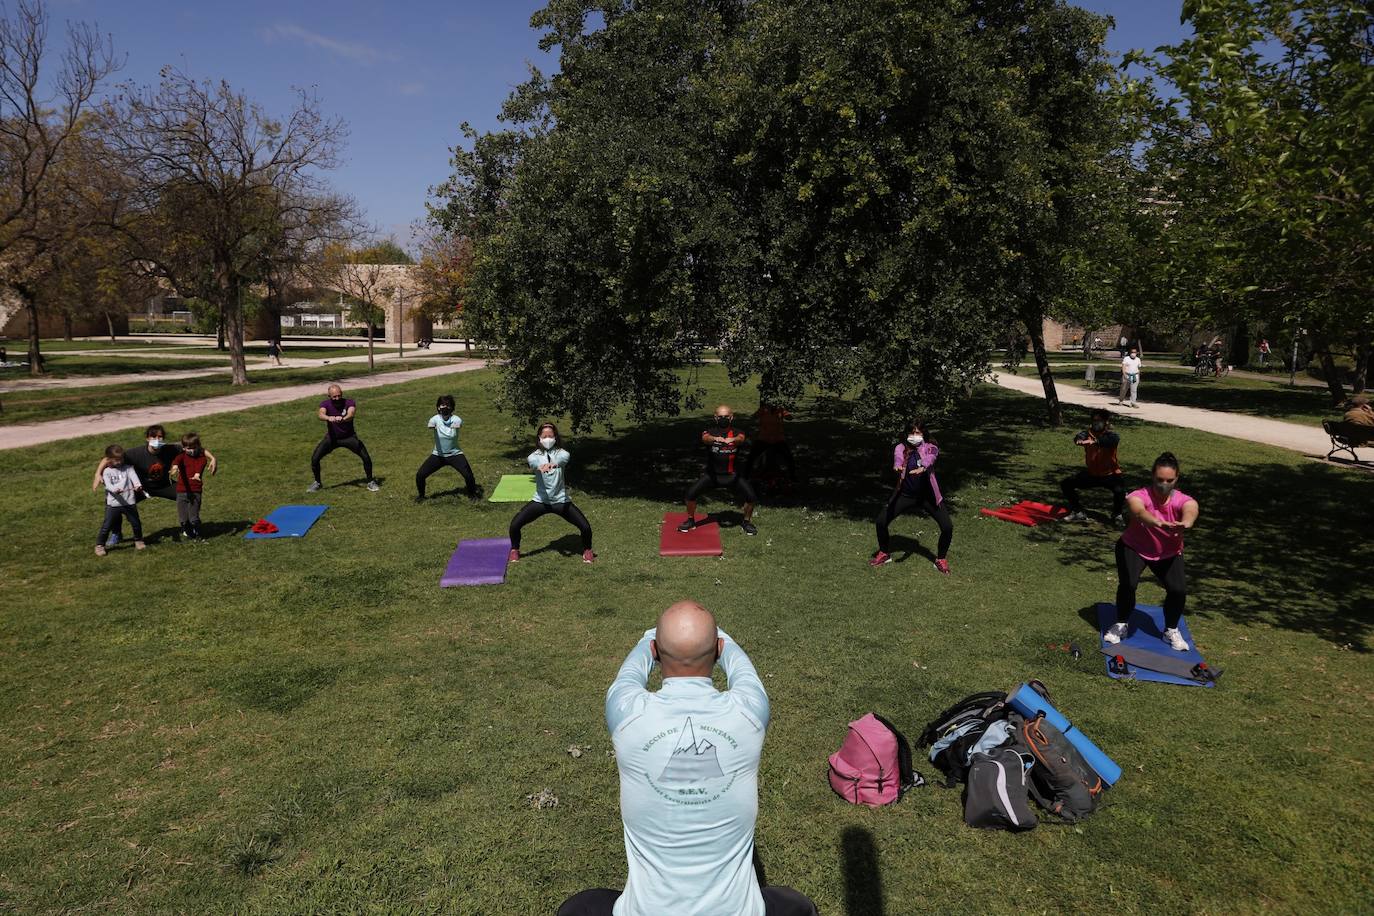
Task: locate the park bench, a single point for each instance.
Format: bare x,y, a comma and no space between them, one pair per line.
1346,437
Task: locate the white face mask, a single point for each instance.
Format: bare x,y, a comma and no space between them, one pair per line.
915,440
1164,489
548,443
154,443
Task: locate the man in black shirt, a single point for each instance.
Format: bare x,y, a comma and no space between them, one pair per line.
722,470
153,461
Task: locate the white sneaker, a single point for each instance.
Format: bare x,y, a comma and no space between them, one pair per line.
1175,640
373,485
1076,517
1115,633
1119,521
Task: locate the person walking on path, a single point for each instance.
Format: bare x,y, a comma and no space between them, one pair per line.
1130,378
337,412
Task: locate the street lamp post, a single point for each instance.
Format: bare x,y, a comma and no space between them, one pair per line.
400,324
1293,364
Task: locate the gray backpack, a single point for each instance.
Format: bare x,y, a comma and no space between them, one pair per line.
995,796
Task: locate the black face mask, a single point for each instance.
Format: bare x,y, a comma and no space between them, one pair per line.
445,412
723,421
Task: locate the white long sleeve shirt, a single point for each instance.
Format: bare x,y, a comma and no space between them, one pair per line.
121,485
689,760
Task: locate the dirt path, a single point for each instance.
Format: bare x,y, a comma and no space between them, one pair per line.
55,430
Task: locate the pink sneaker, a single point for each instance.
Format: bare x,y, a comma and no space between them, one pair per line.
99,550
514,556
588,557
943,566
880,559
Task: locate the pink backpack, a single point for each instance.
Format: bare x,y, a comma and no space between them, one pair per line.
873,766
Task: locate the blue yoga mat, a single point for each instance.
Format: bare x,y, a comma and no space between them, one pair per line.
291,522
1145,631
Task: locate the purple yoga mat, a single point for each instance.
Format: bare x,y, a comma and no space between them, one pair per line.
479,562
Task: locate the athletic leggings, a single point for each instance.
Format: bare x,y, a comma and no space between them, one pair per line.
777,901
113,515
1170,573
782,451
352,443
712,481
433,463
567,511
1085,481
902,504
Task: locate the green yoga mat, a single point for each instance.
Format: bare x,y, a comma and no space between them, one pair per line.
514,488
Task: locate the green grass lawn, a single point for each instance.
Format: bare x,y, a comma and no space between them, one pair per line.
1254,397
57,403
63,366
313,726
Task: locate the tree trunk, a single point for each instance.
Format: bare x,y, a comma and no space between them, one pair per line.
1042,365
35,355
1332,374
109,323
66,325
371,366
1362,351
232,329
219,331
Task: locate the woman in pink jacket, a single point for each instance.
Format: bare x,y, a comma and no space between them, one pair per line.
917,490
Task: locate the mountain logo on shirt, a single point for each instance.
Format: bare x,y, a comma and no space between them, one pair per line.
693,760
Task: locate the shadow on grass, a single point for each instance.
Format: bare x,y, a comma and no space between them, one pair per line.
1275,544
863,881
845,464
569,545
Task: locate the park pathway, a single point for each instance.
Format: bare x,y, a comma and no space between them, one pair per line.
23,435
1310,440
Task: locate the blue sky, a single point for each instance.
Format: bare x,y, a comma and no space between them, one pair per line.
403,75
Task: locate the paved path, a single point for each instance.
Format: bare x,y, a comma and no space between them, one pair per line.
28,434
1309,440
254,367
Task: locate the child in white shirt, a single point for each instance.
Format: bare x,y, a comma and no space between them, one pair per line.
122,487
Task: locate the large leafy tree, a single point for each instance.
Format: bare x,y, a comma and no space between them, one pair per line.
1263,130
827,191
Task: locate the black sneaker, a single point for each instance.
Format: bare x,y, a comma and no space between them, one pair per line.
749,528
419,497
687,526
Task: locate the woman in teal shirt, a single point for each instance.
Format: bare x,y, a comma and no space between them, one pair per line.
549,463
445,425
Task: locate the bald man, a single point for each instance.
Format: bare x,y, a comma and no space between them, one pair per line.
722,443
688,757
337,413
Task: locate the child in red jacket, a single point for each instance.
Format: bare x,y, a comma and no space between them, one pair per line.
188,470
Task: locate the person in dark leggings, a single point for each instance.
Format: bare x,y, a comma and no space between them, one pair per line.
917,490
772,442
446,451
1102,470
722,470
777,901
337,413
550,461
1159,514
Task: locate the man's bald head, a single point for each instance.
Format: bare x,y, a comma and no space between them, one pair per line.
686,640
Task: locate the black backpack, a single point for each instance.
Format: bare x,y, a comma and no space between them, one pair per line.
973,714
1061,781
995,796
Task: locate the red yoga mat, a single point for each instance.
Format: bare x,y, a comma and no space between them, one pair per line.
701,541
1028,513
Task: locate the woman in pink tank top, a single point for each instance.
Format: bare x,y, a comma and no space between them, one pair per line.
1159,514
